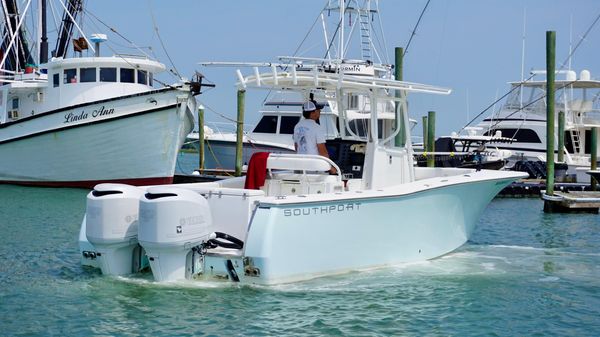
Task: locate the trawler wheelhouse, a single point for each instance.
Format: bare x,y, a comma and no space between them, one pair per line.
67,82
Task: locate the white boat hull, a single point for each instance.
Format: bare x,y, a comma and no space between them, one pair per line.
136,143
294,242
302,237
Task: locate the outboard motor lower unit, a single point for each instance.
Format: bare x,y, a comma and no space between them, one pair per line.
172,222
112,226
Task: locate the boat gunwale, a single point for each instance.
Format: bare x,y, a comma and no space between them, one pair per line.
92,122
80,105
419,186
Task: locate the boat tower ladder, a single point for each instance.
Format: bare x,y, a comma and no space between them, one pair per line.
365,33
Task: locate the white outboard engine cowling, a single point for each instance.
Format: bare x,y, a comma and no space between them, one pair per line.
172,222
112,226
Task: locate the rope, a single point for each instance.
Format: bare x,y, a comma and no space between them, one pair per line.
414,32
308,33
161,41
112,29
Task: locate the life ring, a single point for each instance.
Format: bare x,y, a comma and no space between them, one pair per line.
231,241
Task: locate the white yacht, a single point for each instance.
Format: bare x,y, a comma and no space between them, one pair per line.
88,119
523,118
289,220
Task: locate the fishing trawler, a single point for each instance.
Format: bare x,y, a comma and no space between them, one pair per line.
288,219
89,119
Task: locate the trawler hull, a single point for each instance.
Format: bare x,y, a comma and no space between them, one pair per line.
131,139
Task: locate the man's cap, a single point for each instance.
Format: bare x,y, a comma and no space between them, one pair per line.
310,106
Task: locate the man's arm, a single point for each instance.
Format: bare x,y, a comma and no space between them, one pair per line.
323,152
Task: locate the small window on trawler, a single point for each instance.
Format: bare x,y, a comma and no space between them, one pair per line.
70,76
127,75
142,77
56,80
108,74
88,74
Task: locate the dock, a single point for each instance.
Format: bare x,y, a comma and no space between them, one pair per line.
575,201
534,187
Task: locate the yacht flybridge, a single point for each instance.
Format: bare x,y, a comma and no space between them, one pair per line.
288,219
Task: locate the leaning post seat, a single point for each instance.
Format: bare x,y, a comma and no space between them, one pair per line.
301,162
301,174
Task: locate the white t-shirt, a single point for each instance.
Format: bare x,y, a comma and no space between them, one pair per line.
307,134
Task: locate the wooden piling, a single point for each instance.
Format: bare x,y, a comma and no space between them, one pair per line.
424,133
201,138
241,96
550,75
431,138
400,140
594,155
561,137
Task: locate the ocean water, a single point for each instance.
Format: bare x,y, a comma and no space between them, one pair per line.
523,273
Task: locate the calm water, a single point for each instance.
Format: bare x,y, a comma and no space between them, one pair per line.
523,273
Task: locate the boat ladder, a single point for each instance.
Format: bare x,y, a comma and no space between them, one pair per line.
365,34
575,140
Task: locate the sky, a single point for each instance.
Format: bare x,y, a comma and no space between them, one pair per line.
473,47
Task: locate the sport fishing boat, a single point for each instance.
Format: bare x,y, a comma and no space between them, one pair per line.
523,118
289,220
282,110
273,133
81,121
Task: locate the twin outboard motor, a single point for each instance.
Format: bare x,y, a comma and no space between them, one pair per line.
112,226
172,222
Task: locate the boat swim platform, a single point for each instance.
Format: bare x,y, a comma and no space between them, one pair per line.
570,202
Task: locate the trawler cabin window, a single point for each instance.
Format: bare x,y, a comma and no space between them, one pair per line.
15,103
287,124
151,79
88,74
142,77
108,74
127,75
56,80
70,76
267,124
